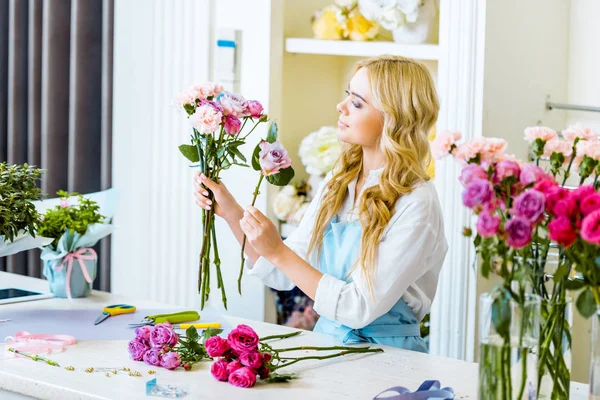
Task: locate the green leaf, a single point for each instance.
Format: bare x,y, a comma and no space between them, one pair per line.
560,273
272,135
189,109
574,284
191,334
501,314
210,332
237,153
256,158
586,303
282,178
274,378
241,164
190,152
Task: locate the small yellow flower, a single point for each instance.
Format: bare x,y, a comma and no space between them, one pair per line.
357,27
325,24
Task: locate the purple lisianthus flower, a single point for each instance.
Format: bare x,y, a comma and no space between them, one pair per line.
530,205
519,232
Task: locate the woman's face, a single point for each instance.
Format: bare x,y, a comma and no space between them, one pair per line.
359,122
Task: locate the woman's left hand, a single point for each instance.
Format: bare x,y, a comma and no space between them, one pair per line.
261,233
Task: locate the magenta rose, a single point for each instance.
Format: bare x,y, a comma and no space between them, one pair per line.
143,333
216,346
244,377
471,172
233,366
590,228
219,370
582,192
233,104
232,125
545,186
263,372
519,232
243,339
487,224
531,173
560,202
170,360
273,157
163,335
152,356
529,205
252,359
479,191
255,109
561,231
506,169
267,357
590,204
137,348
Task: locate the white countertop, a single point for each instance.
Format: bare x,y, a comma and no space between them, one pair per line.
358,377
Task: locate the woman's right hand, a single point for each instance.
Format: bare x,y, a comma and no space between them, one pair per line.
225,205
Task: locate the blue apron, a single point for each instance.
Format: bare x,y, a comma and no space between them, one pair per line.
398,327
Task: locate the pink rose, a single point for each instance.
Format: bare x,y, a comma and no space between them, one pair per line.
233,366
582,192
163,335
529,205
233,104
170,360
540,132
558,146
252,359
470,172
243,339
487,224
519,232
219,370
267,357
578,131
561,231
590,204
479,192
143,333
531,173
560,202
244,377
206,119
273,157
232,125
216,346
444,143
546,186
255,109
507,169
137,348
152,356
590,228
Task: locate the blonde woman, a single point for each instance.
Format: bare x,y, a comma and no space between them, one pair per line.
370,247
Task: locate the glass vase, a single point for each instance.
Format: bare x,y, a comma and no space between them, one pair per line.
595,358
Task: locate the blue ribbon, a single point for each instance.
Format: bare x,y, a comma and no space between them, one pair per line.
429,390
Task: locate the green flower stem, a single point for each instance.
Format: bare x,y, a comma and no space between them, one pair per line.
34,357
251,130
358,349
256,193
351,350
283,336
218,267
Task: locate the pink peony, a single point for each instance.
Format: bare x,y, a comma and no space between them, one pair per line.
255,109
216,346
540,132
590,204
232,125
233,366
519,232
578,131
561,231
470,172
233,104
219,370
444,143
163,335
143,333
507,169
487,224
170,360
273,157
590,228
479,192
206,119
558,146
137,348
529,205
531,173
243,339
152,356
252,359
244,377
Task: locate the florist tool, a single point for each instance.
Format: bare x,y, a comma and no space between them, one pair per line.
173,318
115,309
199,325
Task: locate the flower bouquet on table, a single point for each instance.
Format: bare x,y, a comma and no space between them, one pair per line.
218,119
542,239
19,218
75,225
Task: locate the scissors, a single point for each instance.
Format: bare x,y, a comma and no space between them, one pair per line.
115,309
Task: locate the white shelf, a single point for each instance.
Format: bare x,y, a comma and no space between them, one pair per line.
361,49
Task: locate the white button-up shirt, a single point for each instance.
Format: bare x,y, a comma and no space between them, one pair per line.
408,259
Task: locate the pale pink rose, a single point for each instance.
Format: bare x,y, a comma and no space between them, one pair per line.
234,104
442,144
206,119
558,146
540,132
273,157
255,109
579,131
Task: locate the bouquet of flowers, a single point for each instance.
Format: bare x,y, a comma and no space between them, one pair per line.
75,225
343,20
19,218
218,119
391,14
525,219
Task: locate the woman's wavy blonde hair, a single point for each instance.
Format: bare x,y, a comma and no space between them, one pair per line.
404,91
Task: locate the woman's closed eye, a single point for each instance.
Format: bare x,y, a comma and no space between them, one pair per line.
355,103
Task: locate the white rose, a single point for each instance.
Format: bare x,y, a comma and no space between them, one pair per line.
346,3
373,9
297,216
284,204
320,150
392,19
410,8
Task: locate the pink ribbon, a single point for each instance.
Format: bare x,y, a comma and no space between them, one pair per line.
80,256
36,343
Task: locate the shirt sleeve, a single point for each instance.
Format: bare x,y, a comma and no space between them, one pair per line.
298,241
403,256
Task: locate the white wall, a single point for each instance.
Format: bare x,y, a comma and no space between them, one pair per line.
160,48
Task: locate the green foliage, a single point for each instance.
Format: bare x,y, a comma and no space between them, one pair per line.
17,191
75,218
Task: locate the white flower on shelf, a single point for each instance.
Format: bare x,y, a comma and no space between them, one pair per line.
346,3
286,202
391,14
319,150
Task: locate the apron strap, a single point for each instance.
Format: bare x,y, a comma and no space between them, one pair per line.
429,390
386,330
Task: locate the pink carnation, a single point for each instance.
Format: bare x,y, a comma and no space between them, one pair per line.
540,132
494,149
578,131
443,143
206,119
558,146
